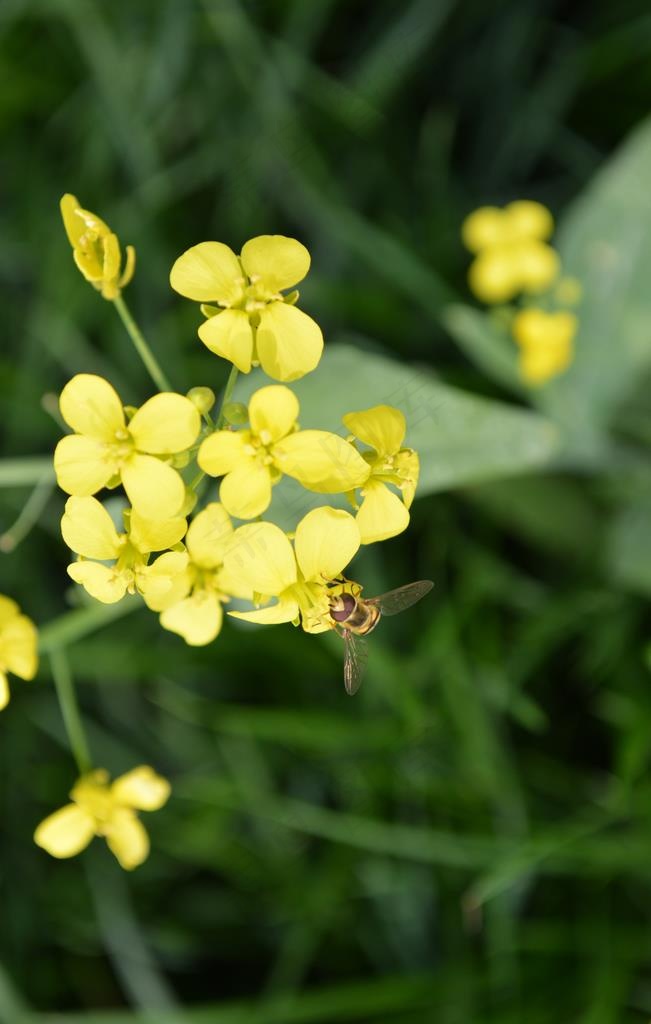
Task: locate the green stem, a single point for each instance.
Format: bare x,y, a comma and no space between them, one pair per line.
29,514
65,688
228,391
142,348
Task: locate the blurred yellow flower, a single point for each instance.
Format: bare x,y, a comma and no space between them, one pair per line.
300,577
253,322
382,514
251,461
105,448
511,251
18,646
96,249
88,529
195,609
546,342
101,809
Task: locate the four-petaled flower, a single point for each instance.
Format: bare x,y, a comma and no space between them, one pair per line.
96,249
105,448
511,250
253,322
194,610
546,342
304,577
251,461
382,514
88,530
18,646
101,809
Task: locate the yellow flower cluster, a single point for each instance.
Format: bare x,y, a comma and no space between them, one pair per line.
513,258
183,552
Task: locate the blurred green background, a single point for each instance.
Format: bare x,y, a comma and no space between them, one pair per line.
469,839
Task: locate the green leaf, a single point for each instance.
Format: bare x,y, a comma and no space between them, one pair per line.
461,439
605,241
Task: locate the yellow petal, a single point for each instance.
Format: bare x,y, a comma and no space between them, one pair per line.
527,219
210,533
8,609
81,465
155,534
167,423
4,691
494,275
198,619
407,466
274,262
326,541
112,258
141,788
284,610
88,529
91,406
208,272
221,452
538,266
538,364
321,461
262,557
165,581
381,427
155,490
66,832
381,514
127,839
100,581
18,646
229,335
245,492
484,227
289,343
273,412
73,224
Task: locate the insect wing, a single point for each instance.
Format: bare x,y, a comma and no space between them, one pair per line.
399,600
355,658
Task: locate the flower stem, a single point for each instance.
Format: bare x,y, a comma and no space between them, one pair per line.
65,688
228,391
141,346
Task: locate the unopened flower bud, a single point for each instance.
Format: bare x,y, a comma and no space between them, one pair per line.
203,399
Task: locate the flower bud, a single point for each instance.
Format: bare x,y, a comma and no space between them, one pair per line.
202,398
235,413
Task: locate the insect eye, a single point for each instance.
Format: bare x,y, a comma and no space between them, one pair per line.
342,608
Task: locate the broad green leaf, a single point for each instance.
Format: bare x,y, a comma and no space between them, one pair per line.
461,439
628,549
605,241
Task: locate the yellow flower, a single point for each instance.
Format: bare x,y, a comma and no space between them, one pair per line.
88,530
251,461
96,250
18,646
252,322
300,577
105,448
102,809
546,343
511,250
195,612
382,514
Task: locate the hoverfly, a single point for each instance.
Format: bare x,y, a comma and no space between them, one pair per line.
355,618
